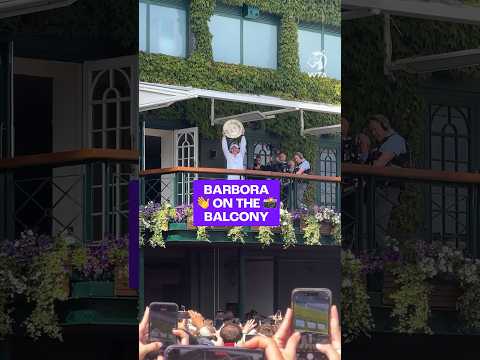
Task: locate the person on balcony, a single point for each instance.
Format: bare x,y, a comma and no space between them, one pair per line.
391,150
235,155
302,167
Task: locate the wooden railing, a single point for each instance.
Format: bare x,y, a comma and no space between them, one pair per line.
221,171
73,157
448,203
175,184
410,174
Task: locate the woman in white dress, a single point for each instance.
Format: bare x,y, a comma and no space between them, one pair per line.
235,156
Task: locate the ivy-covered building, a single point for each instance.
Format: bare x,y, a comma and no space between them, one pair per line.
68,90
415,61
275,66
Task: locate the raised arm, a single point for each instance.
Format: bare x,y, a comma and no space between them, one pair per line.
243,145
225,147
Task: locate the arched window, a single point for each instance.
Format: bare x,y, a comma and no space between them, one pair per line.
264,151
110,114
449,151
328,167
186,155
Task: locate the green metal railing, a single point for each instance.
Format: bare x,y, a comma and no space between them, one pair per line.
439,205
75,192
175,185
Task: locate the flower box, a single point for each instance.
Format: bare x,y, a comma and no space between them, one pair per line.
190,225
444,295
326,228
177,226
121,283
303,223
89,289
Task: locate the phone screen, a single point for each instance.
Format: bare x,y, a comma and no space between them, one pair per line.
163,319
211,353
311,311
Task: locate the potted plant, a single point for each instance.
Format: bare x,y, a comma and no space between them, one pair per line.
94,278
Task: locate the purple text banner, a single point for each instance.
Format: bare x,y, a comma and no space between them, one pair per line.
236,203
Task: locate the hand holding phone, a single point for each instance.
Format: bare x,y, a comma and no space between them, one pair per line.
311,317
162,321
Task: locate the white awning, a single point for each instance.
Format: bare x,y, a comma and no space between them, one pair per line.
323,130
154,96
438,62
443,10
9,8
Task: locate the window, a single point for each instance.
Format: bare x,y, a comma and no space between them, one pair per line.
319,52
110,111
163,28
226,39
142,23
333,53
236,40
449,151
263,151
328,167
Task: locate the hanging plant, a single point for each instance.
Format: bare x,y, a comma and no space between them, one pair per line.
411,308
324,221
287,229
357,319
45,288
154,219
312,231
237,234
202,234
265,236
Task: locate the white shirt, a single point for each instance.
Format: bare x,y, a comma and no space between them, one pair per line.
234,161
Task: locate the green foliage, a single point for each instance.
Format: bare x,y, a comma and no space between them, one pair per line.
287,229
326,11
46,285
265,236
237,234
411,308
160,224
11,283
312,231
399,96
199,70
357,315
202,234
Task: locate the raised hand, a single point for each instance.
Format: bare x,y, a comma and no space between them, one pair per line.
249,326
197,319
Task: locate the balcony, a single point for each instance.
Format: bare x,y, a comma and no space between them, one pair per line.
172,187
413,233
81,193
69,206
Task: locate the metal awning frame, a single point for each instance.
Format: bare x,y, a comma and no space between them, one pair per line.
417,9
433,10
179,93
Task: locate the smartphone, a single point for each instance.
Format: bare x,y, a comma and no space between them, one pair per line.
180,352
311,317
163,319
